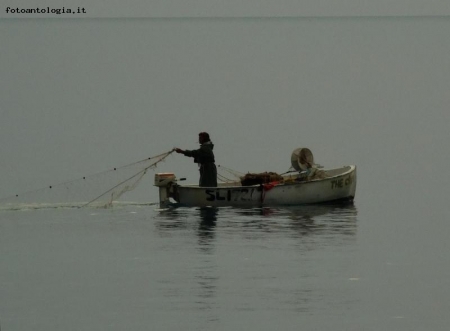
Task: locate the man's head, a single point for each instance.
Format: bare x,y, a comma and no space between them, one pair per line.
203,137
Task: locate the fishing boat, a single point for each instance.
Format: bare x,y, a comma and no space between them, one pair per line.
307,183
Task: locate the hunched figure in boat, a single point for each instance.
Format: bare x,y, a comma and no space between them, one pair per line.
204,156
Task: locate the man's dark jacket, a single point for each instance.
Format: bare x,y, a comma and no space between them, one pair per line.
204,156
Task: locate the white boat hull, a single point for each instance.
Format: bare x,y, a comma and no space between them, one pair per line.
340,185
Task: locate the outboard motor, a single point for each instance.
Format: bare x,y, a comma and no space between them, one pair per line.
166,182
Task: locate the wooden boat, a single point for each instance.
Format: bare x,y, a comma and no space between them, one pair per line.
307,185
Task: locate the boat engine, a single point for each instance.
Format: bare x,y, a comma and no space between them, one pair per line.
166,182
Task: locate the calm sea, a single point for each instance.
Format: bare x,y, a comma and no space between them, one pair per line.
139,268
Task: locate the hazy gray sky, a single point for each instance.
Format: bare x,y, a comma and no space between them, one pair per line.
236,8
83,96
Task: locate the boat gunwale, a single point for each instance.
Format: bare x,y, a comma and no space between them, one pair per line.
351,169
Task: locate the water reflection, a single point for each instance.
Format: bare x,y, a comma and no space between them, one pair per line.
303,220
203,219
291,221
206,229
324,224
279,251
202,222
338,219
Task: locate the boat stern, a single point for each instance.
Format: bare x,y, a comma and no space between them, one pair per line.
166,182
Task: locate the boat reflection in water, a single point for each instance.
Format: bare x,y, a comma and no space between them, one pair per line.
296,221
263,259
203,219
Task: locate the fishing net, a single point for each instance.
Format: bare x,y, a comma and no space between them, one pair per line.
227,175
97,190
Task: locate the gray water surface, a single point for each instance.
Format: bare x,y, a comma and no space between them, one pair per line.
138,268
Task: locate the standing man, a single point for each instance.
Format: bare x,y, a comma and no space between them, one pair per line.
204,156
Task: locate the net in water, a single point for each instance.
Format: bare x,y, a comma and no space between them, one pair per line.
97,190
